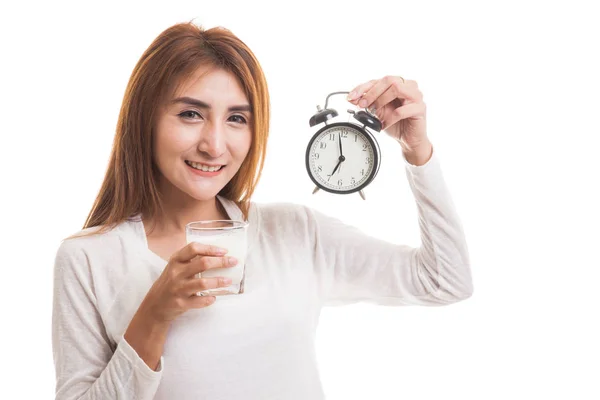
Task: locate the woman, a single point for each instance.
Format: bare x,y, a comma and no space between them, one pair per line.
126,321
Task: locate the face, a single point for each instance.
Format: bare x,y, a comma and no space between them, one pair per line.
203,135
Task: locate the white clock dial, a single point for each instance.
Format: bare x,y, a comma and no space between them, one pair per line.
353,169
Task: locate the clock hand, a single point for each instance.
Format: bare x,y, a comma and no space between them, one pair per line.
342,158
336,168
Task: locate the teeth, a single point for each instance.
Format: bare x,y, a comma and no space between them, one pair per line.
202,167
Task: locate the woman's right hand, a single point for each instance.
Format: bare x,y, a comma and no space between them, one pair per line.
174,292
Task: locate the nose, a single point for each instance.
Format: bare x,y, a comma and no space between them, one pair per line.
212,140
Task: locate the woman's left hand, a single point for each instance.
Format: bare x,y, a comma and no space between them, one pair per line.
399,105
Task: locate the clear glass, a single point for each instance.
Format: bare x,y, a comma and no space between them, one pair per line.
230,235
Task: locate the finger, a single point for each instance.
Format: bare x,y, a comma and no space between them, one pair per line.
201,301
195,249
398,90
200,284
410,110
357,92
388,97
206,262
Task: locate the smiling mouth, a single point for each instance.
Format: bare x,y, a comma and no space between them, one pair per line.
203,167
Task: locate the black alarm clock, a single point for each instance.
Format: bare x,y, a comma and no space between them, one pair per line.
343,157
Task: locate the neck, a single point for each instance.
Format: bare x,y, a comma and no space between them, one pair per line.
180,209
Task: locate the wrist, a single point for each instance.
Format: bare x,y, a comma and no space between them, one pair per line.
147,337
419,155
149,321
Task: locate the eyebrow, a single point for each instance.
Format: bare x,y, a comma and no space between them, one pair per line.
200,104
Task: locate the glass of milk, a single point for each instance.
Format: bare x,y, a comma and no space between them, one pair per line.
230,235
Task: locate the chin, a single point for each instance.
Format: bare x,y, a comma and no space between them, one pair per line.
199,188
203,194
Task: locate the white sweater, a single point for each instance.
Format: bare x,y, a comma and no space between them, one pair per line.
258,345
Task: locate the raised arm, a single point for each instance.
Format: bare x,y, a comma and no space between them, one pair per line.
353,266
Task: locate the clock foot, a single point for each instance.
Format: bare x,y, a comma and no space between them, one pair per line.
316,190
362,194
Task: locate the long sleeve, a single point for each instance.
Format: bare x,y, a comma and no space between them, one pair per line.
88,365
353,266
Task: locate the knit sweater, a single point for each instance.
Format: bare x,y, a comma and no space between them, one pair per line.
258,345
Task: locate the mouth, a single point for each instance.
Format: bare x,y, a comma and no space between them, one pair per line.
204,167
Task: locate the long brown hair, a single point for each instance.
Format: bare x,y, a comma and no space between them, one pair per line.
130,184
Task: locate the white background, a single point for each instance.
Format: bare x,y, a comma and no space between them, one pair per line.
512,90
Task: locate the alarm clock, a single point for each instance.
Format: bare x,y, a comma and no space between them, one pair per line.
343,157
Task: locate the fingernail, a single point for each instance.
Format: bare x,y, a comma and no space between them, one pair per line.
373,110
221,251
351,96
363,103
227,281
232,260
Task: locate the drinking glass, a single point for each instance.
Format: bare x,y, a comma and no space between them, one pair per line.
230,235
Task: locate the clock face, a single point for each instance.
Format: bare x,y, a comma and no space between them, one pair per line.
342,158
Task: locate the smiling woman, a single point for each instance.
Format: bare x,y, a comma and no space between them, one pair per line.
160,102
128,320
203,133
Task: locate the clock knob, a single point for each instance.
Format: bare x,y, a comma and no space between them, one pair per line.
368,120
322,116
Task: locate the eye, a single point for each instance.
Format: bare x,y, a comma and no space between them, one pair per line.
239,119
189,114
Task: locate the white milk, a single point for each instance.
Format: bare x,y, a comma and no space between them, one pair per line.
235,241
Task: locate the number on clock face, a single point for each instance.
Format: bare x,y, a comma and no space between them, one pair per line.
325,156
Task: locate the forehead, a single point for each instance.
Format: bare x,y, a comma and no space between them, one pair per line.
211,83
